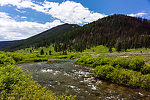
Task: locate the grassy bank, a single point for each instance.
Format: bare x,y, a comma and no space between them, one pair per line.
33,57
127,71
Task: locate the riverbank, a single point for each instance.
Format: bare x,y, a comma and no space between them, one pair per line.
128,71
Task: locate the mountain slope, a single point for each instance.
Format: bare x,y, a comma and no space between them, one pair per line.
118,31
4,44
128,32
42,39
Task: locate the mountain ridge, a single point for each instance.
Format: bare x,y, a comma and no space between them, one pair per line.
130,32
41,38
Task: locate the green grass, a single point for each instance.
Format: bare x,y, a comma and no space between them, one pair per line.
28,50
99,49
103,49
33,57
139,49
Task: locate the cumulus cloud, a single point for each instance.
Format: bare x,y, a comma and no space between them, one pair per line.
14,30
68,11
71,12
137,14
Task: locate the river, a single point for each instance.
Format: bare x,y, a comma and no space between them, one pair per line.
66,77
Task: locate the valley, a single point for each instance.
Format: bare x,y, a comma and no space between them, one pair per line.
106,59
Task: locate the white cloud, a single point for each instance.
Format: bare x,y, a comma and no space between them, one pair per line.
14,30
18,3
71,12
137,14
23,17
20,11
68,11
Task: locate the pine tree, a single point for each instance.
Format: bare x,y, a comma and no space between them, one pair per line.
50,52
64,52
55,47
110,49
42,52
118,47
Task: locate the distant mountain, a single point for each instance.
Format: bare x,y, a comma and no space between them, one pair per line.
42,39
4,44
112,31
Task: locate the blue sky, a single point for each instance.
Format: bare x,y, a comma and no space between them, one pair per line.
20,19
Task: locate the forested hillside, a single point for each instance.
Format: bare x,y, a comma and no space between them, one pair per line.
43,39
119,31
4,44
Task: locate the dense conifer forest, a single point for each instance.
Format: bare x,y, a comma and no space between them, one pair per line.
119,31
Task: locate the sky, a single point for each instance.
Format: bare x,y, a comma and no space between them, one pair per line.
20,19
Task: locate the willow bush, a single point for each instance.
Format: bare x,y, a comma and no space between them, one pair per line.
132,71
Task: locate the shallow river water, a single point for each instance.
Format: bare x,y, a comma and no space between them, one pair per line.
78,80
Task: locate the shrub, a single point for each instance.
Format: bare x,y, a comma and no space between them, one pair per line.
123,76
18,85
89,61
85,60
120,76
4,59
102,61
136,63
120,61
11,75
145,82
106,61
145,69
97,61
17,58
134,79
103,71
124,71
